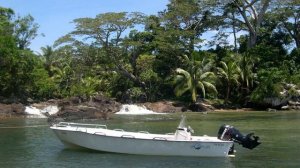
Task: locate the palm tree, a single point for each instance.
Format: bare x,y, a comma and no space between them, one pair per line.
230,72
197,75
247,76
63,76
47,53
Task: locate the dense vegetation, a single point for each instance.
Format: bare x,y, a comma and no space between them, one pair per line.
254,54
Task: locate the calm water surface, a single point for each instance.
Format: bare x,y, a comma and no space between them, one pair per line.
29,147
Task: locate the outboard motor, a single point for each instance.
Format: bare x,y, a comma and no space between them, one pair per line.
229,133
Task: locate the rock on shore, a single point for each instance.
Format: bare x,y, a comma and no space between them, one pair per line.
14,109
292,105
76,108
172,107
97,107
165,106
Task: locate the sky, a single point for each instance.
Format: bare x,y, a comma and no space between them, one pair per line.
55,16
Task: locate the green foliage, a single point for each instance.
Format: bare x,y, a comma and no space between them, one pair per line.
197,75
119,85
87,87
6,26
295,56
230,73
179,33
25,30
135,94
151,79
288,16
110,53
269,84
64,77
42,86
267,56
8,56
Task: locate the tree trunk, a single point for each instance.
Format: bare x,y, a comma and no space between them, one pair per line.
252,40
298,42
130,76
234,32
228,93
194,93
257,17
134,56
191,46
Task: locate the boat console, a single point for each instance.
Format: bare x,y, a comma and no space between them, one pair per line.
229,133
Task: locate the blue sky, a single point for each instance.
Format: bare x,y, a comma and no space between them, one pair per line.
55,16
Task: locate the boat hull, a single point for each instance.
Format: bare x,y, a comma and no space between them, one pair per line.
131,145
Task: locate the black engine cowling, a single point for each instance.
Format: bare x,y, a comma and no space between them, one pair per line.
229,133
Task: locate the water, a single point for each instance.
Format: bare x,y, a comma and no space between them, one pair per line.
28,147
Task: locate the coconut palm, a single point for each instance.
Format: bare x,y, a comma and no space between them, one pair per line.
247,76
229,72
196,76
48,58
63,76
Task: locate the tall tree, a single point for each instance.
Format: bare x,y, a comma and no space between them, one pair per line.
289,15
187,20
6,26
229,21
106,32
25,30
179,32
251,15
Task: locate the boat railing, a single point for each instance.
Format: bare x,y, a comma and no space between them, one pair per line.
171,133
121,130
144,132
82,129
160,138
127,136
65,124
99,133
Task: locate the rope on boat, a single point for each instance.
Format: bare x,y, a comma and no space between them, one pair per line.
29,126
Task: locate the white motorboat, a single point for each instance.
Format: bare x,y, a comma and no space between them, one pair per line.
180,143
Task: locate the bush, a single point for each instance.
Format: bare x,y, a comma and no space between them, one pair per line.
270,84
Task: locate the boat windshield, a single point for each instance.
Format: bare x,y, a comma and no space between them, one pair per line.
182,123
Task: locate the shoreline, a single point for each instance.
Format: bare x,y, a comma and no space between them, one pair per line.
4,117
102,107
240,110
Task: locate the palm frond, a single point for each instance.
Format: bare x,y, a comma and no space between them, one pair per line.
178,79
201,86
183,72
180,89
186,58
224,66
207,75
210,86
